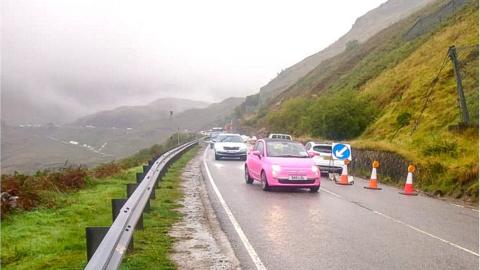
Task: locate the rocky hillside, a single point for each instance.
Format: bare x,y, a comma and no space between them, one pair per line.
364,27
396,92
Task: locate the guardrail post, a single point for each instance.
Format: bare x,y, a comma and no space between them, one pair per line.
117,205
139,177
152,194
95,236
130,189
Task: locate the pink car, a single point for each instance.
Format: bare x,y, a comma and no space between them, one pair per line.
281,163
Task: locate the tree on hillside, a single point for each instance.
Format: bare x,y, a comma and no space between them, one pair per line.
339,117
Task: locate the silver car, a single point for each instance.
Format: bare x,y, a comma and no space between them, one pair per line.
321,154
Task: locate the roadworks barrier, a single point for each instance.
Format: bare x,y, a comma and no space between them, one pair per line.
343,179
408,189
372,184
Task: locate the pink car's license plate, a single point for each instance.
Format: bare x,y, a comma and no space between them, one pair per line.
297,177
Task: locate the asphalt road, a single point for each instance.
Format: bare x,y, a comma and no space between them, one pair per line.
341,227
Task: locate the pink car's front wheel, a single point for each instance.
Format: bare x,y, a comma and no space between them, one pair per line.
248,178
265,185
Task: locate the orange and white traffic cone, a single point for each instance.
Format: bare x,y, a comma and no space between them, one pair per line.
408,189
343,180
372,184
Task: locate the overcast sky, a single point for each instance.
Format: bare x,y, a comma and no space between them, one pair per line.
100,54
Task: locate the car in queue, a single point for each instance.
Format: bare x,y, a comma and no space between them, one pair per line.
321,154
214,136
280,136
281,163
230,146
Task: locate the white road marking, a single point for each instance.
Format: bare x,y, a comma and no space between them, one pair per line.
461,206
458,205
330,192
424,232
408,225
251,251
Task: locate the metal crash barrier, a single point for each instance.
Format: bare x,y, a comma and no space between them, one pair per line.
106,246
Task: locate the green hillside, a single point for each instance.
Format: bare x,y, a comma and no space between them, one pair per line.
396,92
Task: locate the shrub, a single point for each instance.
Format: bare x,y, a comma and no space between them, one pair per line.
339,117
20,191
438,147
107,169
403,119
289,118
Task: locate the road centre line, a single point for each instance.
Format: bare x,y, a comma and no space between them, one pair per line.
330,192
424,232
405,224
251,251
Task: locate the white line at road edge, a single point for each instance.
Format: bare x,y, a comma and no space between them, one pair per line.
408,225
251,251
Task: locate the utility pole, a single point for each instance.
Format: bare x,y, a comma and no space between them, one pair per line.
452,53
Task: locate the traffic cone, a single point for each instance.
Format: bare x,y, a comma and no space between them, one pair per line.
373,179
343,180
408,189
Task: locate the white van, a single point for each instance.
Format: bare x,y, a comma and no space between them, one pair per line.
280,136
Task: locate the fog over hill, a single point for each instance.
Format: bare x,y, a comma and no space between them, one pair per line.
363,28
137,116
62,60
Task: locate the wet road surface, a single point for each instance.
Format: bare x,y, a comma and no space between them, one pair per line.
341,227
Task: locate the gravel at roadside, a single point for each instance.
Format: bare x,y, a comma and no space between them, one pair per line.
200,242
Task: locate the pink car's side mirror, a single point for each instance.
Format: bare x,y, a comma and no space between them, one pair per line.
256,153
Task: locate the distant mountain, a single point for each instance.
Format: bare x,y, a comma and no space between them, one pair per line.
106,136
136,116
213,115
364,27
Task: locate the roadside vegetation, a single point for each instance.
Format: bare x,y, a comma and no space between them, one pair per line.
22,192
396,92
52,235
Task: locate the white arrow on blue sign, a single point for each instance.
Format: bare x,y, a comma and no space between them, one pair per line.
341,151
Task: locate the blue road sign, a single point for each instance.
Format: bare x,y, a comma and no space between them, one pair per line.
341,151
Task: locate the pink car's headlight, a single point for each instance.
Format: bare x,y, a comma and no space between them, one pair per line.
276,170
315,170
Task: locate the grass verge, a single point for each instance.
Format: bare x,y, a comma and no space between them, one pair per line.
54,238
153,244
